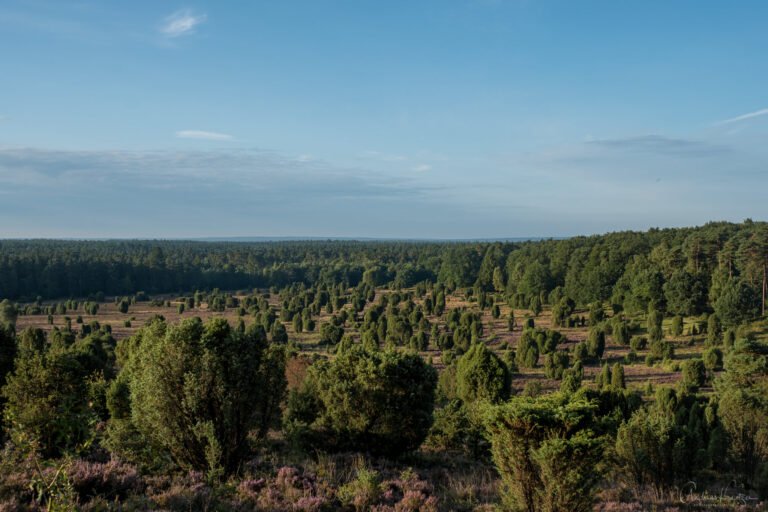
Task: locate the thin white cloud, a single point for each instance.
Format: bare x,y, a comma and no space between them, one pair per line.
743,117
384,157
182,23
279,176
202,135
422,168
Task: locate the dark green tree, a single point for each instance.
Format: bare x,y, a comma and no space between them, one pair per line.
481,375
198,390
546,452
375,401
736,303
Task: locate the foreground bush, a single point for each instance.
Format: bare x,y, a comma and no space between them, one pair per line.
546,453
195,391
48,403
370,400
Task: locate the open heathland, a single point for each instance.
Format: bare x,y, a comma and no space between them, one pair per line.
627,371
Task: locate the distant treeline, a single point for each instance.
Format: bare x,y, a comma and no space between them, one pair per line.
683,269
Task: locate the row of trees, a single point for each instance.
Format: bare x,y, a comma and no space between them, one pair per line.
685,271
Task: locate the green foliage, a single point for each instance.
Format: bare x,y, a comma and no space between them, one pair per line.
375,401
617,377
638,343
694,374
452,429
363,491
580,352
596,313
535,279
713,358
8,313
330,334
641,285
676,327
736,303
123,306
596,343
47,401
661,350
481,375
667,442
527,354
197,390
714,330
743,405
685,293
603,379
653,324
535,305
555,364
562,311
620,332
572,378
546,453
278,333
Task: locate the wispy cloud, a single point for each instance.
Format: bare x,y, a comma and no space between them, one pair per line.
202,135
282,177
744,117
660,145
422,168
182,23
383,157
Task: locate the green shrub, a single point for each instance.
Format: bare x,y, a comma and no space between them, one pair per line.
714,330
555,364
527,353
363,491
481,375
621,332
653,324
713,358
617,377
638,343
198,390
546,453
375,401
694,374
47,400
676,328
596,343
661,349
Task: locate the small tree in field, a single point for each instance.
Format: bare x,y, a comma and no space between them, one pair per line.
617,377
370,400
511,320
655,318
8,313
481,375
596,343
694,374
546,453
621,332
196,391
676,328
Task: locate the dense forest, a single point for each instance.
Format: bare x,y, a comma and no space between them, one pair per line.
619,372
629,268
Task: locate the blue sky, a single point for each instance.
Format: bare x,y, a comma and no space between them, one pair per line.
419,118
